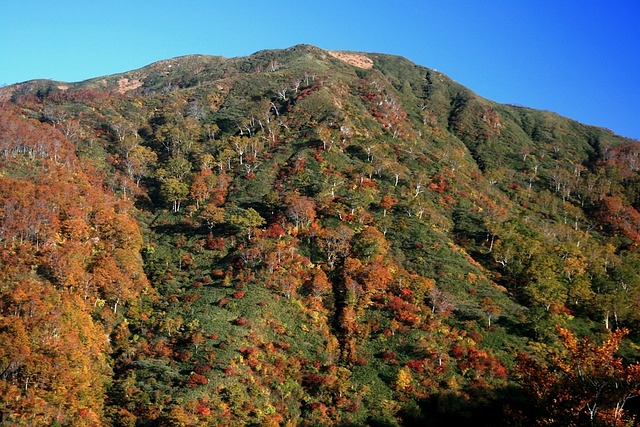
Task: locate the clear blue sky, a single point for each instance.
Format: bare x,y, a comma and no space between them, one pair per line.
580,59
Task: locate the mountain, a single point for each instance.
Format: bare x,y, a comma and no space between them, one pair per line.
310,237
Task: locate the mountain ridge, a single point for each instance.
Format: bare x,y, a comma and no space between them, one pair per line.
198,61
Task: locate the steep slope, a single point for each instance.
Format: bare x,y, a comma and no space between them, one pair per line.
70,259
329,238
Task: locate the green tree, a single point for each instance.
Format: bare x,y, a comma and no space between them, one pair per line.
175,167
545,287
212,215
369,243
174,191
246,220
138,162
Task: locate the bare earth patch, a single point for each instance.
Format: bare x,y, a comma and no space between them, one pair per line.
354,59
125,85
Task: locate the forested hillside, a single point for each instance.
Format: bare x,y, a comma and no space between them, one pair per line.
301,238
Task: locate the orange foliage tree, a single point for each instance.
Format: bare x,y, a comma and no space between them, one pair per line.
68,249
584,383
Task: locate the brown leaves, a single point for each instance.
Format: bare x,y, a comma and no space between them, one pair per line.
301,210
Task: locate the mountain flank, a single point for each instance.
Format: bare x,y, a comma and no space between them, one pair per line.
308,237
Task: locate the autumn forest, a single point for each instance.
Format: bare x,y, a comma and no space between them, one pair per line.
311,238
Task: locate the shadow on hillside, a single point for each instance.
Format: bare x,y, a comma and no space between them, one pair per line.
504,409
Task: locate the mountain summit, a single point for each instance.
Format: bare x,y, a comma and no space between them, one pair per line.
311,237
